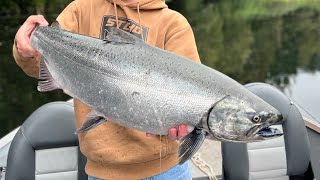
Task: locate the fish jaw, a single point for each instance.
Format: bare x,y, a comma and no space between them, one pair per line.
269,132
255,134
258,133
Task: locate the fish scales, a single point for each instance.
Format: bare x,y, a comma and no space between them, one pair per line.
135,84
129,82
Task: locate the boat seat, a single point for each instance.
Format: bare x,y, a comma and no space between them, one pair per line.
283,158
45,147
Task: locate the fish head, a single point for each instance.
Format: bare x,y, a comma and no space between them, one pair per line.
234,120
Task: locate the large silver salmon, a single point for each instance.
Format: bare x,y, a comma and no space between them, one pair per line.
129,82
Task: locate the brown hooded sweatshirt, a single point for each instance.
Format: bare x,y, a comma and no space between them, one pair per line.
113,151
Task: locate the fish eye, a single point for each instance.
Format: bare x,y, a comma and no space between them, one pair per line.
256,118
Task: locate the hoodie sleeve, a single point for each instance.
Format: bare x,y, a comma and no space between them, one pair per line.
67,20
180,39
29,65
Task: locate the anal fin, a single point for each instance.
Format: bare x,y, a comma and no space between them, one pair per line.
93,120
46,83
190,144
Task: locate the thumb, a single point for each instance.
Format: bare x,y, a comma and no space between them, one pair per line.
42,21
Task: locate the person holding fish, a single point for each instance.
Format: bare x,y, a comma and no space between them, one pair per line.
114,151
156,86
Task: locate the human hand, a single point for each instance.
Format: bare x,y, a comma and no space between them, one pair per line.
22,38
177,133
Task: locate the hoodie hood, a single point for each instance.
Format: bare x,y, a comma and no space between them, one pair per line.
143,4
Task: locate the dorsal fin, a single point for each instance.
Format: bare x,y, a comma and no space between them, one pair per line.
120,36
56,24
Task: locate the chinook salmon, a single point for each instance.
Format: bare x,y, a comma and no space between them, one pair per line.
129,82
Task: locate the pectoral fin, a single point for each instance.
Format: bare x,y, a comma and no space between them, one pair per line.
93,120
190,144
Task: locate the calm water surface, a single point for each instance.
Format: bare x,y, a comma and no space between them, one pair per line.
252,41
304,88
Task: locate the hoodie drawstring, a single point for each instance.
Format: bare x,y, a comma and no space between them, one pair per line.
138,8
117,18
116,11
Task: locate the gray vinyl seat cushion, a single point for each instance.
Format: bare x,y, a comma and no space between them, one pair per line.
45,147
282,158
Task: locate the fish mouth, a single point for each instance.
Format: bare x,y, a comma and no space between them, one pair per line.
269,132
264,132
